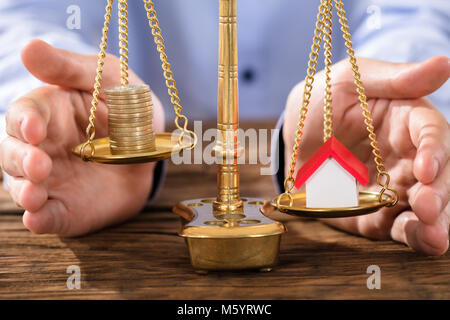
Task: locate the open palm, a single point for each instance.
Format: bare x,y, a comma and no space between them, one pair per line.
61,193
413,136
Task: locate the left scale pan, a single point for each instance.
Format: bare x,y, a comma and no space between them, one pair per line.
166,144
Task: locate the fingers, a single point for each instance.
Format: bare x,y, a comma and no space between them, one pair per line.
24,160
374,226
426,227
430,134
69,69
429,200
27,119
397,80
431,239
26,194
51,218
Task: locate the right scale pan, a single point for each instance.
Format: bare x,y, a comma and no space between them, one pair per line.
368,202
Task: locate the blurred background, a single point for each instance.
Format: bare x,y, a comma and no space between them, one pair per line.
274,41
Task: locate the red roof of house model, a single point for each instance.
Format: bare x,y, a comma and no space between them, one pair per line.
333,148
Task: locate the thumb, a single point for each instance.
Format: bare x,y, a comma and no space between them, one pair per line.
401,80
69,69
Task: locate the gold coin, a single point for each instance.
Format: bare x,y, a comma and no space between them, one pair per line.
128,95
146,96
131,89
131,109
125,93
118,127
127,127
118,133
133,152
123,104
126,130
129,115
136,139
146,147
118,116
123,142
131,103
131,146
131,121
140,135
125,100
141,130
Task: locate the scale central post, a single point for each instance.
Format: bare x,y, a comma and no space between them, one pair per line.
228,232
227,149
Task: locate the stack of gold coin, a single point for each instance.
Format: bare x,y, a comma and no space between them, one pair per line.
130,119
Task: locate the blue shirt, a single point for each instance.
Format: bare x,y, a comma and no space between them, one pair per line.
274,40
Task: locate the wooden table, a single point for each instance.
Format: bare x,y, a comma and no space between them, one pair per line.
145,259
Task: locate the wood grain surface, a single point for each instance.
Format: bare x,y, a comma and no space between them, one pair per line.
145,259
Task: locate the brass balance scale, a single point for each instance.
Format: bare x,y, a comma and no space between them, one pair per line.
227,232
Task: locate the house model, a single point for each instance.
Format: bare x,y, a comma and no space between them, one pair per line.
331,176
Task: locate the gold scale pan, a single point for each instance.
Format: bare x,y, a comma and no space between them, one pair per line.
227,232
368,201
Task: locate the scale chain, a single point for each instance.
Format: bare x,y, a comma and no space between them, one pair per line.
90,130
123,41
168,74
327,40
381,170
309,79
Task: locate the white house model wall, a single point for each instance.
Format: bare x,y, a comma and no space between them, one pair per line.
331,186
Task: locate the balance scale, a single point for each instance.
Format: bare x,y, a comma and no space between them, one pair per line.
227,232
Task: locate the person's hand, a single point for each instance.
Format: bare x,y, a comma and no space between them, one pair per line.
61,193
414,138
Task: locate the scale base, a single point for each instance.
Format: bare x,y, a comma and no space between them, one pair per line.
221,241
